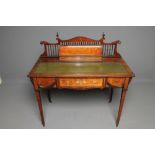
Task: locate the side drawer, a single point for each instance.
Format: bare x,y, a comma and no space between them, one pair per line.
45,82
117,82
81,83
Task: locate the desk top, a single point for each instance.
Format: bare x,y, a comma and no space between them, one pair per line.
107,67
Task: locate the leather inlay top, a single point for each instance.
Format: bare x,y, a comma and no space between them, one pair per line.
80,68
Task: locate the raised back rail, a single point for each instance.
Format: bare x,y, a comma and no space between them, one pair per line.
53,49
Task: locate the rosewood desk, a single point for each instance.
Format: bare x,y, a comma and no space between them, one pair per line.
80,67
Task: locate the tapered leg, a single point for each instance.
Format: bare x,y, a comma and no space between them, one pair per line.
121,105
40,106
111,94
49,95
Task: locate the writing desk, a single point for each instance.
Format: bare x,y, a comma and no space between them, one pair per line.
81,74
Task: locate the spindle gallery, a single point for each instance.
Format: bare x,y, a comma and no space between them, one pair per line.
80,63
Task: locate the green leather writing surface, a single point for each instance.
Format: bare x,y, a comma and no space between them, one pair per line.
80,68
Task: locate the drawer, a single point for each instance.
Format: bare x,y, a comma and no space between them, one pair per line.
45,82
81,83
117,82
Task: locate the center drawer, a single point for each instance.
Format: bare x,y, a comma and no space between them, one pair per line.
81,83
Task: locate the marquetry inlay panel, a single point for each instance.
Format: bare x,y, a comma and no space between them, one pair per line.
80,50
81,83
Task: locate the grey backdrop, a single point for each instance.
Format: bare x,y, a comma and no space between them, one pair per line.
20,48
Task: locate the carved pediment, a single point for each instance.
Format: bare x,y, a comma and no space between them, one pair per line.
81,39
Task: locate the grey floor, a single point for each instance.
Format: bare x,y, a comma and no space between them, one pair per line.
76,109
